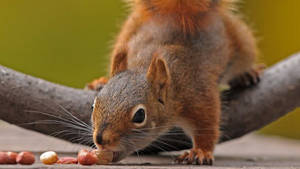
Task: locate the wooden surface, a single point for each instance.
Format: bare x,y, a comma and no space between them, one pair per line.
252,151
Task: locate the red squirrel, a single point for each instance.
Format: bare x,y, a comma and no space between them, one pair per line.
166,66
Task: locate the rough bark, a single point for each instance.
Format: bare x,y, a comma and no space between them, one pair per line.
34,104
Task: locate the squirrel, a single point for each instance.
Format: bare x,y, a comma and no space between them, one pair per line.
166,66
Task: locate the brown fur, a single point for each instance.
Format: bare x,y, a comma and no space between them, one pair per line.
97,84
170,57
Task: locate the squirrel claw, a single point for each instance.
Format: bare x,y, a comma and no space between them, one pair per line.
196,157
248,79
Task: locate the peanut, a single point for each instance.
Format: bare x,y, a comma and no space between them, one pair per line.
25,158
3,158
86,157
67,160
8,158
12,157
104,157
49,158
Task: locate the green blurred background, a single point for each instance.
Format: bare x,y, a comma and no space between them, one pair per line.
68,41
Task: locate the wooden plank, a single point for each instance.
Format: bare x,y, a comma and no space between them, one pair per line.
252,151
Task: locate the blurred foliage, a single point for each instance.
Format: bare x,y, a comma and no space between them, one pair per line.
63,41
277,26
68,41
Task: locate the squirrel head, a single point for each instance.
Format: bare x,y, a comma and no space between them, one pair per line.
131,110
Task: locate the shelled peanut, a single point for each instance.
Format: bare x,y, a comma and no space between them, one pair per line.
86,157
24,158
49,158
67,160
8,158
104,157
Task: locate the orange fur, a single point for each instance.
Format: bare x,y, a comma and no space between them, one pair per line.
185,12
119,63
97,83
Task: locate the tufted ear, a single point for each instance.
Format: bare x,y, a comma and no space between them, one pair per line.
159,77
118,64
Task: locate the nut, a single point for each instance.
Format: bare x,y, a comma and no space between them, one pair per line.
49,158
67,160
104,157
8,158
86,157
4,158
12,157
25,158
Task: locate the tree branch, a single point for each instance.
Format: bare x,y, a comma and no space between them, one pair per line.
31,103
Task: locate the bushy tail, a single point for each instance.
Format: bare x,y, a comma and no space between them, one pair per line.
180,5
185,12
227,4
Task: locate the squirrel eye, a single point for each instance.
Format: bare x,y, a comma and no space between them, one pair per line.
93,105
139,116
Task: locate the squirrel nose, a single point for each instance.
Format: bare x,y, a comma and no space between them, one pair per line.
99,139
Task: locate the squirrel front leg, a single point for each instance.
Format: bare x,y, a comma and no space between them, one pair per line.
241,70
201,122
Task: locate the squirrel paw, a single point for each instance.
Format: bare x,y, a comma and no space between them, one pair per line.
196,156
248,79
97,84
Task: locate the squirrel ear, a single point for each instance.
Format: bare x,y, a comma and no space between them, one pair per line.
119,64
159,77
